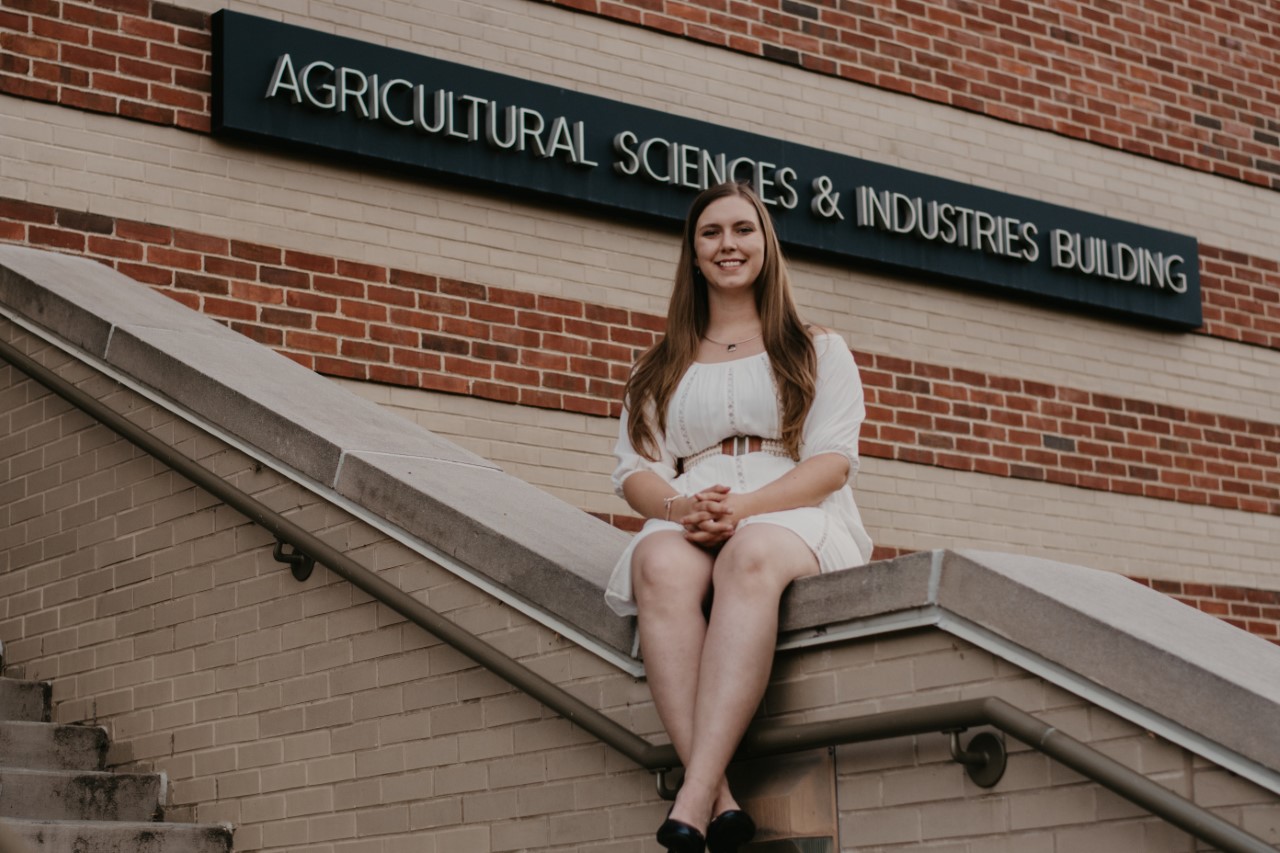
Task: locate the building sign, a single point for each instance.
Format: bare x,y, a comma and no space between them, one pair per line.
282,83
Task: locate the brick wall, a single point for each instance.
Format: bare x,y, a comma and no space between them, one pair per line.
313,718
1190,85
1186,83
148,61
372,323
133,58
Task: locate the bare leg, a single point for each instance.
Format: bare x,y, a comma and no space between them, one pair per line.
671,579
749,575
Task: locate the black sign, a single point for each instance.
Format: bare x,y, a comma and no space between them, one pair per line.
283,83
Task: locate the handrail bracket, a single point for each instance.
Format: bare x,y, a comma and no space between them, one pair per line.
299,563
984,759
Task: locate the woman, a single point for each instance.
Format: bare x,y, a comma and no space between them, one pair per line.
738,442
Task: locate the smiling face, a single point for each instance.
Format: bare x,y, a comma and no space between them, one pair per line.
728,243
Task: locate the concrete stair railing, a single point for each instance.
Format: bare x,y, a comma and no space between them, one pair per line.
57,796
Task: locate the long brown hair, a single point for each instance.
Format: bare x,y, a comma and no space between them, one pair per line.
659,370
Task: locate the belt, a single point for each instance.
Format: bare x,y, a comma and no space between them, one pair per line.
734,445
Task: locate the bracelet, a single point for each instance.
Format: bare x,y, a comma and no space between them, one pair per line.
666,505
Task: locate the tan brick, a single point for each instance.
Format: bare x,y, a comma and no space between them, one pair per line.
338,768
284,777
333,712
411,787
883,826
286,833
308,801
531,833
307,745
1104,836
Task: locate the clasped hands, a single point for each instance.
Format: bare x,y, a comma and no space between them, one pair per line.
713,516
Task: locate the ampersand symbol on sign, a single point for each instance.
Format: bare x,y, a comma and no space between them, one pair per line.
825,202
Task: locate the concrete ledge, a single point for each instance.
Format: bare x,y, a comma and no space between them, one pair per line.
1193,668
538,548
1169,661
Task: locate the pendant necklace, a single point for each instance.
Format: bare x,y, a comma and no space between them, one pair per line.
733,346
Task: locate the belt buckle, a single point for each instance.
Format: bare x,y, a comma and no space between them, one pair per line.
741,446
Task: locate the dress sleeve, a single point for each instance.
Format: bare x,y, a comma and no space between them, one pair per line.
630,461
839,407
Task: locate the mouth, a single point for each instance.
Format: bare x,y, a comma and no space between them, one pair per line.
730,263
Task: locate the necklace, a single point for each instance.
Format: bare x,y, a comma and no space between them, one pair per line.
733,346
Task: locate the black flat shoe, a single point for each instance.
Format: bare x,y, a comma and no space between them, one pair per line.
730,830
680,837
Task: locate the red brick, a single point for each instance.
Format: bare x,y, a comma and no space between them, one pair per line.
168,55
495,391
251,292
148,274
393,375
366,351
91,101
342,367
556,305
365,272
201,283
417,359
392,296
363,310
541,322
176,258
285,317
338,286
120,85
465,289
58,31
88,15
180,15
55,238
147,112
468,367
341,327
415,319
229,308
87,58
311,342
416,281
29,46
115,43
179,98
152,71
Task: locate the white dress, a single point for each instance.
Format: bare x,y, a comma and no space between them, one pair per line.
716,401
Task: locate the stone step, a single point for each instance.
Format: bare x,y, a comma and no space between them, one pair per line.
70,836
24,700
49,746
80,795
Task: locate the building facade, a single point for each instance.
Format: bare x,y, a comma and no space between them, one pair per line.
507,319
502,310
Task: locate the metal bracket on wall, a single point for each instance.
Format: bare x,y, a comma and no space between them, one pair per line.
984,759
299,563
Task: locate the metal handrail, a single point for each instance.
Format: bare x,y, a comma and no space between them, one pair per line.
765,738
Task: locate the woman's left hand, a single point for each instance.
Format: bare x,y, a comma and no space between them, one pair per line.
715,516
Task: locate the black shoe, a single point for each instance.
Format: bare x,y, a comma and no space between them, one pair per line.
680,837
730,830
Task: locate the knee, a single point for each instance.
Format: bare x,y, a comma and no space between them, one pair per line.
666,576
747,567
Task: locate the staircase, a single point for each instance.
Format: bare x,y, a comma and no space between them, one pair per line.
55,795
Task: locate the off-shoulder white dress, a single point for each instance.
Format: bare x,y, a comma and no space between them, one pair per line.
716,401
